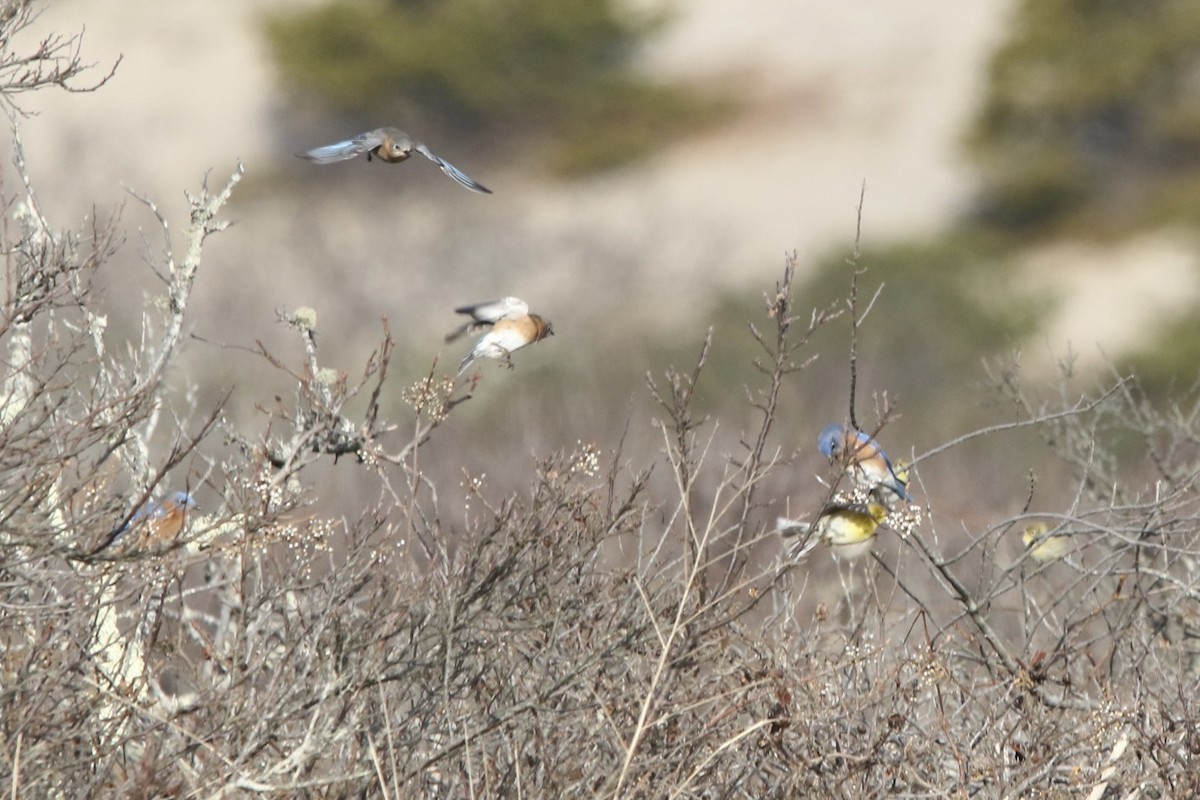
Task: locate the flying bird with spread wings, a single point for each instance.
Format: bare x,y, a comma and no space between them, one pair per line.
509,327
391,145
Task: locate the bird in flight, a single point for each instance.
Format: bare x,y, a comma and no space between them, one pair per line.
391,145
509,327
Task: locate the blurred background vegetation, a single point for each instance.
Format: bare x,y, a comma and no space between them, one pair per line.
524,72
1088,127
1092,118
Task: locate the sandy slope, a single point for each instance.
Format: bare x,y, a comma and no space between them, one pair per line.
836,94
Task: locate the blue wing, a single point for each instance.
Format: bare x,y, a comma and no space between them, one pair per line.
341,151
453,171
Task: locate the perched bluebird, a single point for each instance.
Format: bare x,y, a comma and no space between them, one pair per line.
866,462
510,327
160,521
847,528
387,144
1043,548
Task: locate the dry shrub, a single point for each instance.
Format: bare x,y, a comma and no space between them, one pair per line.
587,634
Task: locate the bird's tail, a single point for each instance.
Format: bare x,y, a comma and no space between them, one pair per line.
791,527
464,329
466,363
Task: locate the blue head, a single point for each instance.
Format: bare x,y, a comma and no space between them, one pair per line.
830,440
157,509
181,499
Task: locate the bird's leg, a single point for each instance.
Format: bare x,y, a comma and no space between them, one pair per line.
507,358
847,591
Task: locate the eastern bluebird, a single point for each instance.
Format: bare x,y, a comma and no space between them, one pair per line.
1043,548
847,528
866,462
387,144
511,328
160,521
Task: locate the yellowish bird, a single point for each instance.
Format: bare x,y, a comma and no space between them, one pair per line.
901,470
847,528
1042,547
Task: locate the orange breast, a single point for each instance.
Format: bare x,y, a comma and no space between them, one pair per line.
385,153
